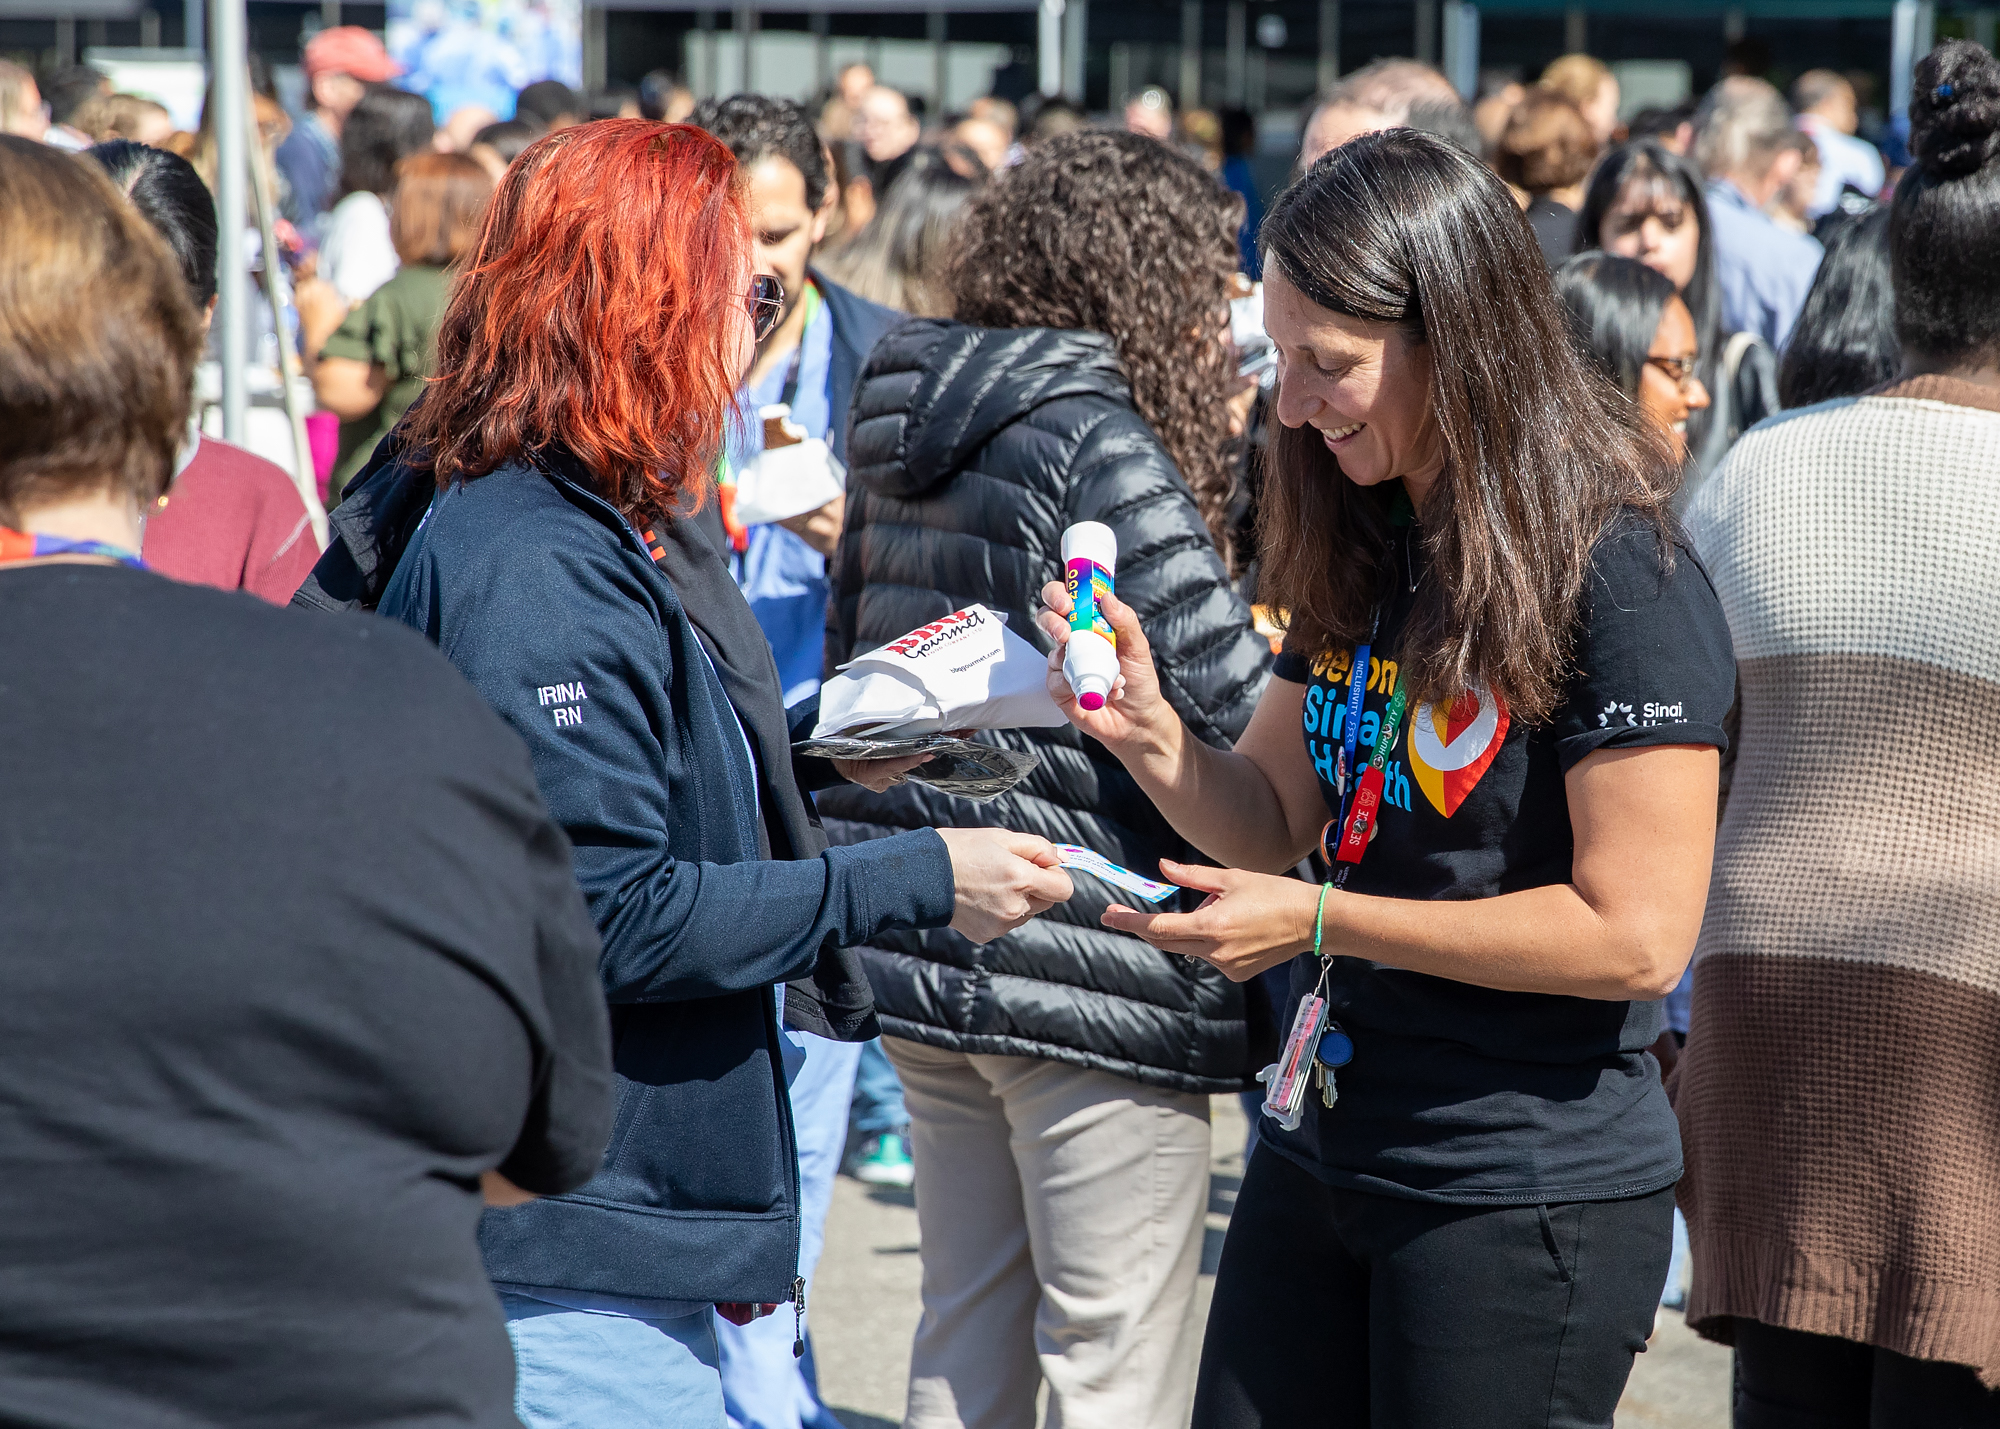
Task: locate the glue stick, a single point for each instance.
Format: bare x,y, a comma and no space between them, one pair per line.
1090,664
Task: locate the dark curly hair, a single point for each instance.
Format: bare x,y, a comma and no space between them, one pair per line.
1121,235
757,127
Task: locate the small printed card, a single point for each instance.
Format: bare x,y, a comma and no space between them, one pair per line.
1098,866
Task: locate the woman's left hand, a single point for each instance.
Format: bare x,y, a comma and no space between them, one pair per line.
875,775
1249,922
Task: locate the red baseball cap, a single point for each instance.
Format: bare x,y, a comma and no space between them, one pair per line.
349,49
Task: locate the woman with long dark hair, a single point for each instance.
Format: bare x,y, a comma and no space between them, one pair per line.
1635,327
899,259
1058,1079
1646,202
586,364
1497,713
1845,342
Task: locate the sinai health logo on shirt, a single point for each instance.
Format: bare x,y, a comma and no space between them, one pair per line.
1451,749
1616,715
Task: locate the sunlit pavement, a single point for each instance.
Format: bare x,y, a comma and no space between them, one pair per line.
865,1308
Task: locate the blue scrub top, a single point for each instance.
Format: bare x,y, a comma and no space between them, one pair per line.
782,577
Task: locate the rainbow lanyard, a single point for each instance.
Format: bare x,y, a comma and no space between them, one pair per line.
1361,799
725,474
18,546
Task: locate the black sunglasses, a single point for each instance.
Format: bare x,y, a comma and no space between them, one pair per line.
765,302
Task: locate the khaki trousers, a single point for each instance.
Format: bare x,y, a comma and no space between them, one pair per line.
1061,1213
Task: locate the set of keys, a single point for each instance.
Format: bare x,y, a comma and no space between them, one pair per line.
1336,1049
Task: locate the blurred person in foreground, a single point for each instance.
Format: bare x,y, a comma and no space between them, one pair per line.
1743,143
1840,1093
1375,97
1494,107
1058,1079
535,510
988,141
850,87
1151,112
662,97
1845,343
261,1053
1546,151
371,367
1632,321
618,102
1586,82
357,251
21,109
854,201
1201,138
1239,147
809,361
1791,207
340,63
127,116
1671,128
886,130
551,104
1827,111
462,128
1053,118
1002,116
498,145
70,91
900,259
995,110
229,519
1468,1220
1646,202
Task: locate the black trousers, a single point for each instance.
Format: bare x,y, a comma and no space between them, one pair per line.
1788,1379
1341,1309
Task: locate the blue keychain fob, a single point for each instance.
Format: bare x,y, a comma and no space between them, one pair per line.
1336,1048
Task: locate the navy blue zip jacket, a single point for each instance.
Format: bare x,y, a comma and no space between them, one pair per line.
549,602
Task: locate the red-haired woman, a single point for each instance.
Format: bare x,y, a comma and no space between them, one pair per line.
586,365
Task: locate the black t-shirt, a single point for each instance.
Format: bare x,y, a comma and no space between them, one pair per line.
290,952
1464,1093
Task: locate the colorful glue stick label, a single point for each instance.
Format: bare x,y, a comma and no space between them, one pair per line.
1087,581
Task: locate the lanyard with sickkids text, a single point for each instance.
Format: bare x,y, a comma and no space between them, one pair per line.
1318,1045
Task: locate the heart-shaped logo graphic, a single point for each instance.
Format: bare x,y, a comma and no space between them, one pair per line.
1451,749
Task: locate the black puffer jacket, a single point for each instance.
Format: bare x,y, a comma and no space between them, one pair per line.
969,453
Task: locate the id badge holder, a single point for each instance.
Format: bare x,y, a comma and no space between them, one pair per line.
1285,1079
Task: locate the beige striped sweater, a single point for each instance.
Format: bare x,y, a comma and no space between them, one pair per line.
1840,1094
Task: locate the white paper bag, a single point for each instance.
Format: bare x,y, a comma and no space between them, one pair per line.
787,478
966,671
